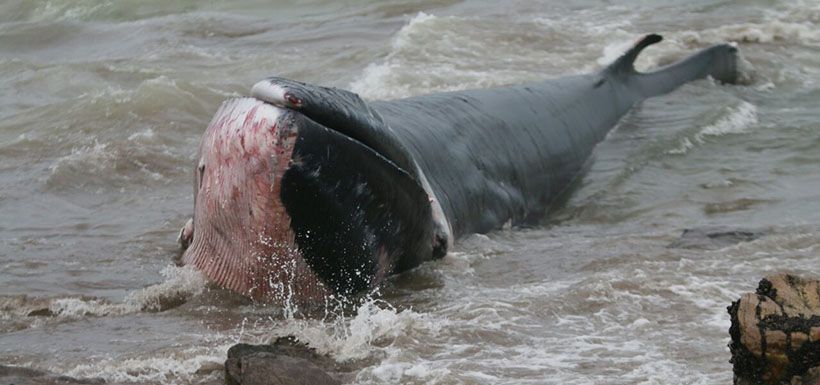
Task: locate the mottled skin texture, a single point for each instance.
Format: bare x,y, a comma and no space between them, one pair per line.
349,192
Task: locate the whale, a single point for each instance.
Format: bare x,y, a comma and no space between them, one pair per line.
303,191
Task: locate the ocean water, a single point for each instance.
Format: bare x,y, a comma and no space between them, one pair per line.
104,103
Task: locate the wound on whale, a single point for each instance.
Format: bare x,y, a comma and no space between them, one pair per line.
302,191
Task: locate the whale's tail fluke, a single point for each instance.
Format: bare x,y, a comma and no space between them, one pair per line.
719,62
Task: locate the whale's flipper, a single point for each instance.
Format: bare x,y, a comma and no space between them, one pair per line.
338,110
718,62
357,218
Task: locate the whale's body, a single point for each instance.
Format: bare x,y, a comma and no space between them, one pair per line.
315,190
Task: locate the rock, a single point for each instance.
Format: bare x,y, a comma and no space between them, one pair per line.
14,375
776,332
715,237
286,362
812,377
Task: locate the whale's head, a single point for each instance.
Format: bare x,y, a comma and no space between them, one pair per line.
288,209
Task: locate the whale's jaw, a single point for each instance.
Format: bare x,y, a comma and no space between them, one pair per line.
242,237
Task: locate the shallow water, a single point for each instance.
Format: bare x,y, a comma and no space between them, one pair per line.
105,103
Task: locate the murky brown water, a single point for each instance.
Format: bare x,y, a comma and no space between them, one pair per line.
104,104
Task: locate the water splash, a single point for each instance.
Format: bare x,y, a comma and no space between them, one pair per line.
345,339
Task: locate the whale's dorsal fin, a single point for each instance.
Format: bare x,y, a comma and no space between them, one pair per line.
626,63
338,110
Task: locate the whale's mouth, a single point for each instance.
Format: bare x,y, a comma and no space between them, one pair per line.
286,208
242,237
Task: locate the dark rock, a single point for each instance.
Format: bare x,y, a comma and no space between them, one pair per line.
286,362
714,238
812,377
14,375
776,332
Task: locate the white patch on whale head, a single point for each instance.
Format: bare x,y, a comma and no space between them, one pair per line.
269,93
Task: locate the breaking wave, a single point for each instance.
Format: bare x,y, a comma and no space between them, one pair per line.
736,119
179,284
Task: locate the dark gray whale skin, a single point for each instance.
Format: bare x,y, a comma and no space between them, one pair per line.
501,154
376,188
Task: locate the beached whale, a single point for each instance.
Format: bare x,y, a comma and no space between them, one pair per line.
303,191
